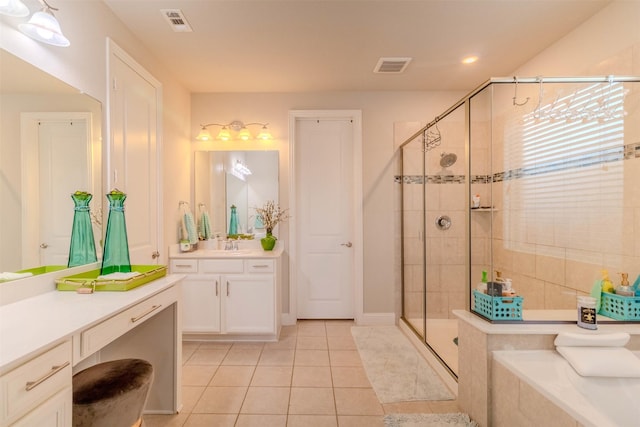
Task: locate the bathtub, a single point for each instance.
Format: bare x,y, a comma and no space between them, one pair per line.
597,402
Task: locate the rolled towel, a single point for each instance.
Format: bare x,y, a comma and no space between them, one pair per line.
7,275
602,361
573,339
119,276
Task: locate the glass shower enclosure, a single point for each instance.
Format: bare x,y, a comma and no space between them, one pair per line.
534,178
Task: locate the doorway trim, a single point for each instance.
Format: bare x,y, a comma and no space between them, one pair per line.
356,117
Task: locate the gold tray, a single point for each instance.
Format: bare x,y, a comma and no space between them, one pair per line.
89,282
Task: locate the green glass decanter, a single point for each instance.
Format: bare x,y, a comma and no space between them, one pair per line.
83,246
116,247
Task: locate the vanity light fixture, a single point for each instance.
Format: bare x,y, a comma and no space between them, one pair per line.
13,8
237,126
44,27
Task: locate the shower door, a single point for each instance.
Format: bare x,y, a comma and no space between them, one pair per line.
435,233
412,190
446,241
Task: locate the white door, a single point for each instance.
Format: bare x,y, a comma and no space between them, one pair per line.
325,226
56,157
64,156
134,151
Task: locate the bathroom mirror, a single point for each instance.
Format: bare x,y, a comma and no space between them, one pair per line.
50,146
245,179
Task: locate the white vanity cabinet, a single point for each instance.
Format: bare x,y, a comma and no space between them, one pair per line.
230,297
40,388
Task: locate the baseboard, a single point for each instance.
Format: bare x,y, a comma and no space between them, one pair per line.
366,319
288,319
376,319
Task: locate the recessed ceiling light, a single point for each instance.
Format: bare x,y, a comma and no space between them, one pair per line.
469,59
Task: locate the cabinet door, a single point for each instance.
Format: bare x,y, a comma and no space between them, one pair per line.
55,412
249,304
201,302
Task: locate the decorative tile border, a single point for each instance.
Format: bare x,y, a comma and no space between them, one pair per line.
627,152
430,179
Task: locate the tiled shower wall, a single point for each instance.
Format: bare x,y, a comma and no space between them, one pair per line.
553,231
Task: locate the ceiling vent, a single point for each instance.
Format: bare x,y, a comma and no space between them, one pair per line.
391,65
176,20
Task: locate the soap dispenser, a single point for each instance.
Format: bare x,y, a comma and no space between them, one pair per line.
607,286
624,289
482,286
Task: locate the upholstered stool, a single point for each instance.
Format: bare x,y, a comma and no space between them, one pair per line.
111,394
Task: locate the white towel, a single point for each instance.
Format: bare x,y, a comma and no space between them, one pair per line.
602,361
573,339
7,275
119,276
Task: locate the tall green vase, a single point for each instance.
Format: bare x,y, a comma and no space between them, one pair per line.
116,247
233,221
83,246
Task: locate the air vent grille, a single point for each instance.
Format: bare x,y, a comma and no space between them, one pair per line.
176,20
391,65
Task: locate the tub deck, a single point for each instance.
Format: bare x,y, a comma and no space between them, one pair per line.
592,401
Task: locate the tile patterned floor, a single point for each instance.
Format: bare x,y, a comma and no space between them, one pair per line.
312,377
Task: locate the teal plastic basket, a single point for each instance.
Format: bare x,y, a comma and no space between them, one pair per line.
620,307
497,308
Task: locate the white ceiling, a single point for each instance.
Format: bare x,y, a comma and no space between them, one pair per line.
333,45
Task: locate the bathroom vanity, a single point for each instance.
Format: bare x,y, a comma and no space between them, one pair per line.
230,295
45,339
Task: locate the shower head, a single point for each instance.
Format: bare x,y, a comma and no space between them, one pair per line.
447,159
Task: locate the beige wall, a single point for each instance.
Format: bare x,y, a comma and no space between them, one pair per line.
87,24
379,112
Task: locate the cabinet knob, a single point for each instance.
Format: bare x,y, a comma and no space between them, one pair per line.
348,244
155,254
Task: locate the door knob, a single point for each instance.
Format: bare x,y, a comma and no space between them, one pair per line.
348,244
44,245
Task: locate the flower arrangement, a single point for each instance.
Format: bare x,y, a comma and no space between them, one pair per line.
271,215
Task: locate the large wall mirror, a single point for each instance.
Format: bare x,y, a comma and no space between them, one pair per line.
50,146
244,179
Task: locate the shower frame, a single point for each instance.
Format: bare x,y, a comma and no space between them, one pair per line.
466,102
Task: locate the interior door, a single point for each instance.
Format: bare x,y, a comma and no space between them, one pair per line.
64,157
56,161
325,218
134,152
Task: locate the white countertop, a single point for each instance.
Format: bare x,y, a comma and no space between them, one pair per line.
248,252
32,324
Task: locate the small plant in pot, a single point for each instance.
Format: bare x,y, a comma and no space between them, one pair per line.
271,214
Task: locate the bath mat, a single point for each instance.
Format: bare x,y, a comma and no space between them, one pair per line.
428,420
397,372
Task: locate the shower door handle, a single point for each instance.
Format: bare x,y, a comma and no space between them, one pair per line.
348,244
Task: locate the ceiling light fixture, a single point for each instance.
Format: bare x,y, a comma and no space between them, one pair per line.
44,27
237,126
13,8
469,59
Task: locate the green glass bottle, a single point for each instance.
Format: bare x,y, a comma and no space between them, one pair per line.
233,221
116,247
83,246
